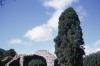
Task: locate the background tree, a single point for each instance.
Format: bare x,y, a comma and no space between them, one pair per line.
69,42
7,55
92,59
11,53
37,61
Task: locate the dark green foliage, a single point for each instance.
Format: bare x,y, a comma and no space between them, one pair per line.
10,52
92,59
2,52
34,60
56,62
27,59
69,42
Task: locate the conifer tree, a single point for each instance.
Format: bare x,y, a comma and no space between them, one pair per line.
69,42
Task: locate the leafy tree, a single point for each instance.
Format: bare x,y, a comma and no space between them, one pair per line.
69,42
37,61
10,52
92,59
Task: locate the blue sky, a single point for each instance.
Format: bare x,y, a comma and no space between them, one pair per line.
31,25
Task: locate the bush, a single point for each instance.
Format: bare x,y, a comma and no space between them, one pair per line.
92,59
35,60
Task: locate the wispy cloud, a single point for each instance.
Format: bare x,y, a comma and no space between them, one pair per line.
97,43
81,12
15,41
92,48
45,31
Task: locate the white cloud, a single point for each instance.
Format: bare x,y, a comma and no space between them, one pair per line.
92,48
89,49
39,33
97,43
58,4
44,32
15,41
53,21
98,49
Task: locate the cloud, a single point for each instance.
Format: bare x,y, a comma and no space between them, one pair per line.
15,41
53,21
58,4
97,43
98,49
45,31
92,48
39,33
89,49
81,12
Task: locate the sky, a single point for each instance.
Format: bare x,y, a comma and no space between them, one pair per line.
31,25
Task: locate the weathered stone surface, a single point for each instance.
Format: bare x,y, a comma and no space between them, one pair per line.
48,56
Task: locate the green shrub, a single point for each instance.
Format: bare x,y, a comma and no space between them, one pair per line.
37,61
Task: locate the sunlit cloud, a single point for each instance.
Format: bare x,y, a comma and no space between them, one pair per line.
58,4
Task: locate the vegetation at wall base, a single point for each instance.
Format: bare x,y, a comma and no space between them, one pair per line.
92,59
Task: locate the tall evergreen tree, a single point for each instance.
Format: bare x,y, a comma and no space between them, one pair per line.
69,42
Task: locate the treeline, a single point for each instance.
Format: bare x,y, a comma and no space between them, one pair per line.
5,53
92,59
